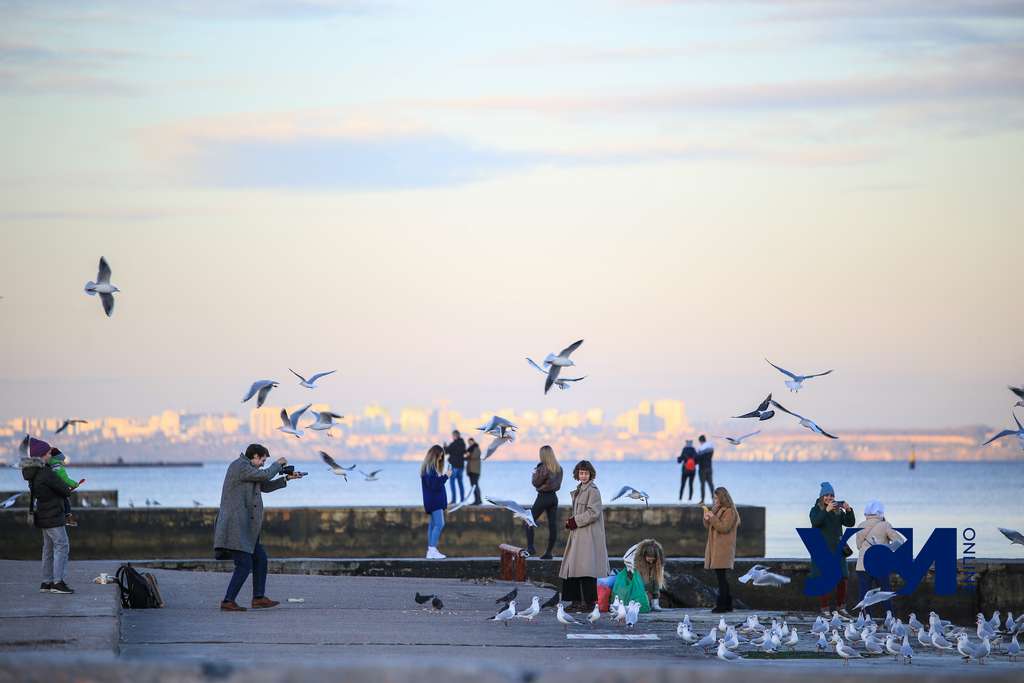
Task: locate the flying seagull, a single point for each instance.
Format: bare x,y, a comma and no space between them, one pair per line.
555,363
290,425
311,382
498,426
10,501
631,492
738,440
562,382
335,467
873,597
1019,393
195,502
370,476
761,412
795,383
324,421
805,422
260,388
518,511
67,423
758,575
498,442
23,446
1019,433
1013,535
464,502
103,287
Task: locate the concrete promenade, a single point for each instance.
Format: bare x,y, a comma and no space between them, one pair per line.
368,625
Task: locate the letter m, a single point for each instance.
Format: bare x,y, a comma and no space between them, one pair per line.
940,550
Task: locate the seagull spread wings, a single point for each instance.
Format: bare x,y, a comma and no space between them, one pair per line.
515,508
798,378
805,421
631,492
1008,432
1013,535
564,353
314,378
332,463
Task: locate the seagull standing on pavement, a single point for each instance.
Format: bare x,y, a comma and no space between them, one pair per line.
530,612
311,382
725,654
564,619
555,363
103,287
595,615
708,641
290,425
507,614
260,388
795,381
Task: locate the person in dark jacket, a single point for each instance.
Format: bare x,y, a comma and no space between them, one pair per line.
831,516
434,499
705,452
688,459
240,521
473,465
47,494
456,451
546,479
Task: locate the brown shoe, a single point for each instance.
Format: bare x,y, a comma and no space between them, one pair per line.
263,603
231,606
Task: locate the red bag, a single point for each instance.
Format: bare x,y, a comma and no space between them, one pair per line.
604,597
690,465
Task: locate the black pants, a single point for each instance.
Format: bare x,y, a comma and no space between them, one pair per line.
580,589
474,480
705,476
547,502
687,477
724,596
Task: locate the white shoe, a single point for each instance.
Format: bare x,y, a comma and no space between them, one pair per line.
656,605
434,554
439,555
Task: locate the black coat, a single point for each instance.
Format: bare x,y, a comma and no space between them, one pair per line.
47,491
456,451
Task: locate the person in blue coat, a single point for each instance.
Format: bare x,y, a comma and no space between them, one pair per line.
435,499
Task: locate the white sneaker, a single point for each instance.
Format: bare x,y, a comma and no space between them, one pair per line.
656,605
431,553
439,555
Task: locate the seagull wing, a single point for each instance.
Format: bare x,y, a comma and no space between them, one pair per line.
564,353
818,374
262,395
572,379
375,473
1019,391
62,427
539,368
752,413
824,433
552,376
783,409
510,505
332,415
10,501
747,436
23,446
318,375
782,370
301,378
1020,427
103,274
252,391
297,414
1013,535
284,418
329,461
623,491
108,303
1005,432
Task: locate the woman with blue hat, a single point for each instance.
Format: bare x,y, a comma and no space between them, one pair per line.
831,515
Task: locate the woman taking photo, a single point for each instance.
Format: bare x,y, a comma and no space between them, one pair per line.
720,552
547,479
435,500
586,555
831,515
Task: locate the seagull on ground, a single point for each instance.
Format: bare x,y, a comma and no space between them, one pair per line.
632,613
684,633
822,644
1019,393
517,510
965,648
324,421
497,426
761,412
311,382
370,476
68,423
914,623
555,363
631,492
1019,433
924,637
260,388
10,501
844,650
506,614
707,641
873,597
335,467
1012,534
1013,649
891,648
532,611
594,615
738,440
906,652
290,424
794,638
564,619
805,422
725,654
795,381
562,382
760,576
103,287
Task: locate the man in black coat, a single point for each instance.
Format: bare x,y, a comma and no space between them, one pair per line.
456,451
46,500
705,452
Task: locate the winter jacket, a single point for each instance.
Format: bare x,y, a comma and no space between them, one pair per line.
831,524
240,517
586,552
874,531
544,480
705,452
434,495
473,459
456,451
47,493
58,468
720,550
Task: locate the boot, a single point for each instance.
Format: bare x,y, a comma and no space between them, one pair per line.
656,605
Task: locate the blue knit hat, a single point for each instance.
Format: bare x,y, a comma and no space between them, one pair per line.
826,489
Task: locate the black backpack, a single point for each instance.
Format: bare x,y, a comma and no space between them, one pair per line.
138,591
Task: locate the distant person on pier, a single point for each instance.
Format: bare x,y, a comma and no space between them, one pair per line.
875,530
456,451
688,458
721,521
705,452
240,522
546,479
586,552
831,516
434,499
473,468
47,494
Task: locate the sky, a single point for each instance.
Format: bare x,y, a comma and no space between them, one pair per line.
419,195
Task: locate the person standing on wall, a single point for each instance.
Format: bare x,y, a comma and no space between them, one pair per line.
688,459
705,452
456,451
473,466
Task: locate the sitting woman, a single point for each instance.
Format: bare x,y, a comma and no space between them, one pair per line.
647,560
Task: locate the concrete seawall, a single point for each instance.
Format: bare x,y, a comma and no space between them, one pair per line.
355,532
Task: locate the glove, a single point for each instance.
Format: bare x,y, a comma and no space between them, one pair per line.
570,523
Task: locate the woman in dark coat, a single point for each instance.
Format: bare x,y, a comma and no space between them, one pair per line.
434,498
47,494
546,479
831,517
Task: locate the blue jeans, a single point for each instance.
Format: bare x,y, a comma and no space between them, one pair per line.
456,476
434,528
865,582
246,563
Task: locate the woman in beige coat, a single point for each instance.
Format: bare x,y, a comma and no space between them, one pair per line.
874,530
721,522
586,554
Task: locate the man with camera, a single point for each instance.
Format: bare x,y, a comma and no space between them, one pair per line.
240,519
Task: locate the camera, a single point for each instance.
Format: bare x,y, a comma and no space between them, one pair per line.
839,503
290,469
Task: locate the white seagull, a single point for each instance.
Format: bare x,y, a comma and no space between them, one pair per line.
707,641
260,388
761,412
311,382
1019,393
517,510
335,467
564,619
633,493
1019,433
725,654
906,652
506,614
1013,649
594,615
555,363
805,422
370,476
530,612
464,502
684,633
498,443
873,597
562,382
760,576
10,501
324,421
738,440
497,426
290,425
632,613
103,287
68,423
795,381
844,650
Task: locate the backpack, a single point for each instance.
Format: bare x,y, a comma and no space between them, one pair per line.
690,465
138,591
